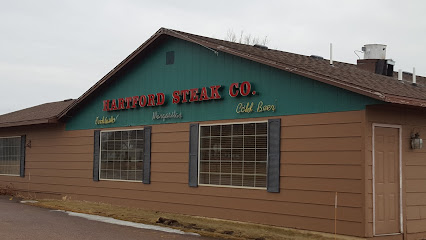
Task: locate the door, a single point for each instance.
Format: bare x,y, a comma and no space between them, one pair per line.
386,180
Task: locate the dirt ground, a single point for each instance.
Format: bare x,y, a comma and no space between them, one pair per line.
204,226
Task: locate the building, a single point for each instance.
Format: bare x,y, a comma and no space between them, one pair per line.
200,126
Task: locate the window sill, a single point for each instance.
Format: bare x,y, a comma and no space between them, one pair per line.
10,175
120,180
227,186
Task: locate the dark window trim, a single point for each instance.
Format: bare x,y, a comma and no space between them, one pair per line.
21,172
96,174
199,149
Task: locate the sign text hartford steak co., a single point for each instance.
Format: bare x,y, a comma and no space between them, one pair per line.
178,97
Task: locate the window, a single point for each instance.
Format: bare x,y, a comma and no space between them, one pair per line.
234,154
10,156
240,154
170,57
122,155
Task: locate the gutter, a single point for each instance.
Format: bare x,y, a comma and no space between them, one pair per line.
52,120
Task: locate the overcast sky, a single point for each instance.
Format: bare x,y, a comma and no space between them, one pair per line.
55,50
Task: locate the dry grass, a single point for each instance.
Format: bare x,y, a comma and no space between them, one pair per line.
204,226
8,189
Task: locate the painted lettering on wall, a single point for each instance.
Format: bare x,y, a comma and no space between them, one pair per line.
196,95
106,120
149,100
243,89
163,116
250,107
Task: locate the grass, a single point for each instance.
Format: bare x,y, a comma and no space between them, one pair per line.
204,226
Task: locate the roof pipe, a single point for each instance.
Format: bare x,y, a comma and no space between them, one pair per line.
414,76
331,54
400,74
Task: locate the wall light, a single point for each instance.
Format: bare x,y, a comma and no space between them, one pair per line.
416,141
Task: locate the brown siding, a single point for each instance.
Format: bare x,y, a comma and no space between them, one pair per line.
413,167
321,154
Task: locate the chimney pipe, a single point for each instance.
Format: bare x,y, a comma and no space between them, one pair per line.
331,54
414,76
400,74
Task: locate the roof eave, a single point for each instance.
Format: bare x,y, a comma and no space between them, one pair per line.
48,120
405,101
25,123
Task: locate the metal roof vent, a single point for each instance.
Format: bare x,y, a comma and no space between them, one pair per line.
316,57
374,51
260,46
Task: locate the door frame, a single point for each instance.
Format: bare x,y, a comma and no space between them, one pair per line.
399,127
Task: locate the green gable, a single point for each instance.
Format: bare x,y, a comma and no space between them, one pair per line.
196,67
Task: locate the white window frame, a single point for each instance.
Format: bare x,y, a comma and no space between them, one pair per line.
100,155
20,150
232,123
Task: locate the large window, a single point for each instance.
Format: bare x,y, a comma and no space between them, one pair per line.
122,155
234,154
10,155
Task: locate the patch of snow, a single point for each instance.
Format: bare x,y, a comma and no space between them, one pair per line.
125,223
29,201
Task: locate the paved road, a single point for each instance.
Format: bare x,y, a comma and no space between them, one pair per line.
20,221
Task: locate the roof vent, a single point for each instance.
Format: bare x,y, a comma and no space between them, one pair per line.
67,100
316,57
374,51
414,77
260,46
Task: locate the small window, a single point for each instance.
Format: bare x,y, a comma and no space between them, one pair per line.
170,58
10,156
234,154
122,155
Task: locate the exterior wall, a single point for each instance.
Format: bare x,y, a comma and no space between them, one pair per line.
413,167
320,154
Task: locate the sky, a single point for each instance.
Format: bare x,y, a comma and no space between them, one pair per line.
56,50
